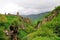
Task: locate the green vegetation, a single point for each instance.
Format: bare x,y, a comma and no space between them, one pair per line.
7,20
48,31
27,31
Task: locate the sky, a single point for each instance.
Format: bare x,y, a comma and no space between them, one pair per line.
27,7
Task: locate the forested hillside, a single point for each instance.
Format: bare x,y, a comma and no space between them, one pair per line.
48,28
24,26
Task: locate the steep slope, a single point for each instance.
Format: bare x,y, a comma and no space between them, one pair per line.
24,25
48,18
49,29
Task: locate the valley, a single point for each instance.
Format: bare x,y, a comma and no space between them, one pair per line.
44,26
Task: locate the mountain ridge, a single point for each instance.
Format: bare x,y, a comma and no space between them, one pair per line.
35,16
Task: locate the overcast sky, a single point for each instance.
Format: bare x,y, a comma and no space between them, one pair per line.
27,7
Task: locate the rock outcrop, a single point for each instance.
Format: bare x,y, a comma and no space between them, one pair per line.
22,26
48,18
27,20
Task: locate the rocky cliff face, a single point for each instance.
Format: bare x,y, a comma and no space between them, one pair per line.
27,20
49,18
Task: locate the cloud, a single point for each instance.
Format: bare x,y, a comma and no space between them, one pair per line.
28,11
27,7
38,3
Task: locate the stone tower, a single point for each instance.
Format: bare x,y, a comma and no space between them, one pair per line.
18,13
5,13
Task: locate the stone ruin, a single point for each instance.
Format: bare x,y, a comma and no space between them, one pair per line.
12,14
17,13
12,33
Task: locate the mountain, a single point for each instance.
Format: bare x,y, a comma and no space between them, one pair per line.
35,17
49,28
46,28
